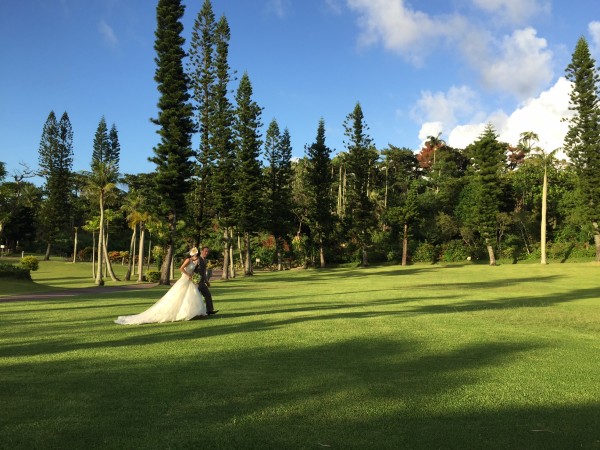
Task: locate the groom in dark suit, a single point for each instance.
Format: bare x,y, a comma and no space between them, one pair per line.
203,284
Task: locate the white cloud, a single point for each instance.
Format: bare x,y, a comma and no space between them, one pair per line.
108,33
513,11
594,30
523,65
333,6
401,29
542,115
463,135
520,63
278,7
430,129
446,108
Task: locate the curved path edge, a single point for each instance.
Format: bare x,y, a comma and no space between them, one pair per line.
60,293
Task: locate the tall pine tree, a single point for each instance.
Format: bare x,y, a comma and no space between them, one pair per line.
114,147
201,70
175,120
320,179
101,182
582,141
248,193
278,153
481,198
222,143
361,162
56,162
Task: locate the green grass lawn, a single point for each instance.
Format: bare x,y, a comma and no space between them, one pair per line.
59,274
421,357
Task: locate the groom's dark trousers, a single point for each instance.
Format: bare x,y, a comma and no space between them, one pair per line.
207,296
202,287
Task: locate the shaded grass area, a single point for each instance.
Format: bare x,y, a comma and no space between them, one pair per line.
58,274
390,357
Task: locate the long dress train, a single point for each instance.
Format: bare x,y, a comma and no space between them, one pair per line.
182,302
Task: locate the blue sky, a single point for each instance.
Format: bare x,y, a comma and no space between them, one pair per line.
417,68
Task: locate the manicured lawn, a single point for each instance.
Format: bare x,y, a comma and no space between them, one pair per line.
60,274
422,357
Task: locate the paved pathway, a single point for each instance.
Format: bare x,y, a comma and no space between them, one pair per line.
60,293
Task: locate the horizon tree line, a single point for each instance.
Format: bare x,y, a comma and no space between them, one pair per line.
363,204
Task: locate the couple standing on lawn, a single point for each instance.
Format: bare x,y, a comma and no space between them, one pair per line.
183,301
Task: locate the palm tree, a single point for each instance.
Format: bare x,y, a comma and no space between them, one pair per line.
546,159
101,182
91,226
143,218
527,142
132,207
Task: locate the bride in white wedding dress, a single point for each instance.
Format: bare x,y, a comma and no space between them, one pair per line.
182,302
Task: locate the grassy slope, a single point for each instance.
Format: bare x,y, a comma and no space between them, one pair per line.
389,357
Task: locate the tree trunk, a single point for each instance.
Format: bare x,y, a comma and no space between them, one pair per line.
365,261
166,265
322,252
106,260
133,255
490,250
141,253
131,250
239,240
93,254
99,280
405,245
109,267
225,274
248,270
75,247
48,249
149,251
231,260
279,253
543,221
597,240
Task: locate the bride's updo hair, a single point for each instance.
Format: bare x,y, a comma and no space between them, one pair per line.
193,251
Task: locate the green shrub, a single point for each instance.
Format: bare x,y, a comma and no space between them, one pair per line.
535,253
30,263
14,272
455,251
153,276
565,250
85,254
425,252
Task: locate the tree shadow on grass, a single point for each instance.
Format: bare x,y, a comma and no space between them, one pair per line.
355,394
540,301
228,323
314,275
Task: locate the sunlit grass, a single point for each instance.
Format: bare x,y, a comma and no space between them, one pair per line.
385,357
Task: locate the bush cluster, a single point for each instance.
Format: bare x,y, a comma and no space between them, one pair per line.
426,253
153,276
30,263
454,251
15,272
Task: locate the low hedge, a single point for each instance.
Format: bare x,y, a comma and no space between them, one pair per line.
153,276
15,272
30,263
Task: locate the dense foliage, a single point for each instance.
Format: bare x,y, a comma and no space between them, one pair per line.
251,203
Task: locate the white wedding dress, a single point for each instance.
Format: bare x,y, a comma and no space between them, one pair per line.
182,302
